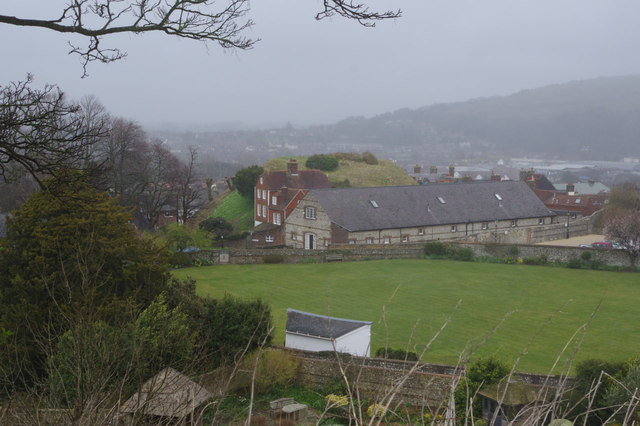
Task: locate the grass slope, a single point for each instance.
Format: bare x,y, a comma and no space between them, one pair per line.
550,304
237,210
360,174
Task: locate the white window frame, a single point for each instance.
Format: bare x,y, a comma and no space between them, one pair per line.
485,226
541,221
264,211
420,231
258,194
369,240
405,239
352,242
277,219
514,223
268,239
264,194
454,228
387,240
294,237
310,213
261,180
274,200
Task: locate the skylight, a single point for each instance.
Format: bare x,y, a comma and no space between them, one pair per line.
578,200
374,204
441,200
498,196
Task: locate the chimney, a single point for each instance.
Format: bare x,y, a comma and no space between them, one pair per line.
495,177
452,170
571,189
531,181
417,169
433,170
292,167
523,174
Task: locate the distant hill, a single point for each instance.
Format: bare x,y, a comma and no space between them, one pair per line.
592,119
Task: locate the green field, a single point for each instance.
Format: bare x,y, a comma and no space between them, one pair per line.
548,305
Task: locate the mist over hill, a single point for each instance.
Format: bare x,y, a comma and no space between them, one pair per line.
592,119
596,119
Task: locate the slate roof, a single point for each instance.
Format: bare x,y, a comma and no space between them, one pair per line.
304,179
413,206
319,325
167,394
560,201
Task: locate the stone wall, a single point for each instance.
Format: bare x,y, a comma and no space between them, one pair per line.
408,251
428,385
553,253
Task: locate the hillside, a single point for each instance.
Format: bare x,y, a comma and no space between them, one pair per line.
359,174
592,119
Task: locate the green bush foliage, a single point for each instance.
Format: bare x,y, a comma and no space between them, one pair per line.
216,226
574,263
464,254
586,256
348,156
245,180
180,259
274,368
324,162
482,373
232,324
369,158
391,353
513,251
435,248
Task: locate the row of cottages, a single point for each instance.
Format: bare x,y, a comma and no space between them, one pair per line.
277,193
483,211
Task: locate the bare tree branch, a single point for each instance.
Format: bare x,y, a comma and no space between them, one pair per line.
204,20
41,132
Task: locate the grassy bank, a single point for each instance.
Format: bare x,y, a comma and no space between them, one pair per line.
420,294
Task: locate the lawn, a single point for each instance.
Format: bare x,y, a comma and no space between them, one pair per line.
545,306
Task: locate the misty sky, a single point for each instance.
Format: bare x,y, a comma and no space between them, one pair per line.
312,72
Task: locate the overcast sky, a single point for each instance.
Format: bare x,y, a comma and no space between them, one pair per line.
312,72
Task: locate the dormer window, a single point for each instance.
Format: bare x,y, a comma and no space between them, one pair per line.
261,180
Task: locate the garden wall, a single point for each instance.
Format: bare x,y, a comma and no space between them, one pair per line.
429,385
376,252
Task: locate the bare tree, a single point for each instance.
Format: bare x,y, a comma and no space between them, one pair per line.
41,132
162,174
189,187
204,20
122,155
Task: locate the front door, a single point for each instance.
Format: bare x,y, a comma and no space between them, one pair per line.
310,242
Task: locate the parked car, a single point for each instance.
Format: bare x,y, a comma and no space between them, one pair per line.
601,244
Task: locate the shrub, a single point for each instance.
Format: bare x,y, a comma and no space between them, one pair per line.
586,256
543,258
513,251
349,156
180,259
463,253
273,258
275,368
574,264
391,353
435,248
509,260
334,386
341,184
323,162
369,158
531,261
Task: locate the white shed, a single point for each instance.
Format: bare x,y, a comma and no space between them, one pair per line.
312,332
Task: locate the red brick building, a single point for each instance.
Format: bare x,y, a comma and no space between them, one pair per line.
275,196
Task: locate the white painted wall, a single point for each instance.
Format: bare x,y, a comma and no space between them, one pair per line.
357,342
